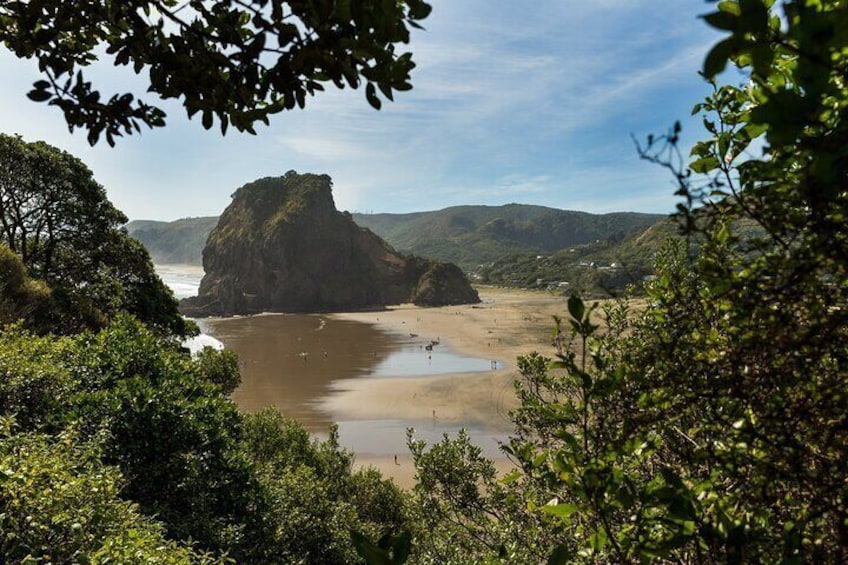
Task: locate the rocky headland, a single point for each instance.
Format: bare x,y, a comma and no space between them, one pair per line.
281,246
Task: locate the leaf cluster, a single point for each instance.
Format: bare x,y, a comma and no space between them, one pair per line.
61,504
237,62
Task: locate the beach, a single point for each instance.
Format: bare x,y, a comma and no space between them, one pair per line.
505,325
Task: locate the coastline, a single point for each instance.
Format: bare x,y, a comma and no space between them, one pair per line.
507,323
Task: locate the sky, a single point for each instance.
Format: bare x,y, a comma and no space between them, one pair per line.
529,102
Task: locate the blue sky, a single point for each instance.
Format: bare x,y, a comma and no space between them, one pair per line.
529,102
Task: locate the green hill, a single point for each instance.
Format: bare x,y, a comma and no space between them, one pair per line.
180,241
470,236
598,268
473,235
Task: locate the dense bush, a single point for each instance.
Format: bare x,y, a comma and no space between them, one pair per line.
60,504
256,488
709,427
59,223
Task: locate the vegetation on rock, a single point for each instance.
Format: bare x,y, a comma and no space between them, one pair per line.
282,246
469,236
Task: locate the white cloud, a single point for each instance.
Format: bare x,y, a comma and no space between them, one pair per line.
512,102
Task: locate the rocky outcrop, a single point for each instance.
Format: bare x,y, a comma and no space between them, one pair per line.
281,246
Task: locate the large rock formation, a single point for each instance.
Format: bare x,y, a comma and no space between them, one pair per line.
281,246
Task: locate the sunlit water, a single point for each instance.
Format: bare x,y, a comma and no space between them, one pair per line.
293,361
184,280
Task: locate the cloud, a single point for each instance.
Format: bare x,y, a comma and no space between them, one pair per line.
530,102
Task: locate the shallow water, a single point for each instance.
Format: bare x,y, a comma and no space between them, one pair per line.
388,437
294,361
290,361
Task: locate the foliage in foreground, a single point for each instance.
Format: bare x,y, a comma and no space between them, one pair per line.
157,429
710,428
61,504
56,218
237,61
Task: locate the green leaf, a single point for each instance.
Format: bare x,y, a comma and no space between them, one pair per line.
598,540
562,511
576,307
704,165
38,95
730,7
402,547
718,56
371,96
722,20
723,144
372,554
755,130
419,10
560,556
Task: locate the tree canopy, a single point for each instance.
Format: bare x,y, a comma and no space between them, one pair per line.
239,61
707,426
58,221
117,446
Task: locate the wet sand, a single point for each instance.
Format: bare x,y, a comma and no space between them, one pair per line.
371,374
290,361
507,324
354,386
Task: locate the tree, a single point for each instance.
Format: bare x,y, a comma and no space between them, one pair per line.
57,219
60,504
462,513
154,426
711,427
732,444
239,61
314,498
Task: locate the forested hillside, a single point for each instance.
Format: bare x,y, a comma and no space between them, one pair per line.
180,241
600,268
474,235
466,235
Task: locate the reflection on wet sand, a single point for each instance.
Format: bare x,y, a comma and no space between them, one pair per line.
289,361
293,361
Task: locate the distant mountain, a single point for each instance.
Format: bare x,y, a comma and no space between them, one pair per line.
469,236
473,235
180,241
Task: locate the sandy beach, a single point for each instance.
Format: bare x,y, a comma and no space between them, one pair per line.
506,324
